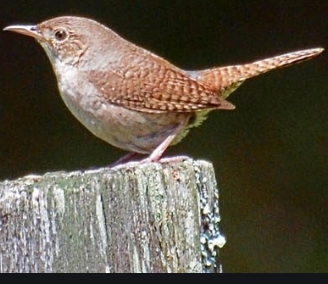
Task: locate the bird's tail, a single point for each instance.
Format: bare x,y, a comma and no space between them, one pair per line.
226,79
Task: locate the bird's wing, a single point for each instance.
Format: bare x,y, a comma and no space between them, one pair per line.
155,91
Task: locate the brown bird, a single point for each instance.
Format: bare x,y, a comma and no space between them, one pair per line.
130,97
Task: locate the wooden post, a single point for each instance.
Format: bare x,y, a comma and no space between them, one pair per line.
148,217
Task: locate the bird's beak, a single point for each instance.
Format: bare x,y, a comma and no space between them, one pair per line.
31,31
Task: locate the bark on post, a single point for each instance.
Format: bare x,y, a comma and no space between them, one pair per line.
135,218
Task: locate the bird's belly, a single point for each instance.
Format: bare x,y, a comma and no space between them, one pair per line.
124,128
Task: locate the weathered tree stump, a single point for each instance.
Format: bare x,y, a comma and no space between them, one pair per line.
148,217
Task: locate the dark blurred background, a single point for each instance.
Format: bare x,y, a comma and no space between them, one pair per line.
270,154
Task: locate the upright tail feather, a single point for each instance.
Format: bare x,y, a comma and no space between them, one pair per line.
226,79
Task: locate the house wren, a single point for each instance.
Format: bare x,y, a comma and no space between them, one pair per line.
130,97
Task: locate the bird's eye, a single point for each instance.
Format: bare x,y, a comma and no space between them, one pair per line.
61,35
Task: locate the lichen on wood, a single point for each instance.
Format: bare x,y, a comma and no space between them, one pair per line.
149,217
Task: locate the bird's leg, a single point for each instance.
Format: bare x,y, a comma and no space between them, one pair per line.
175,159
158,152
126,158
156,155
